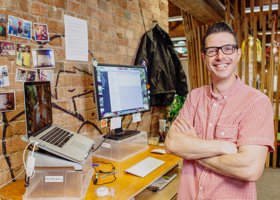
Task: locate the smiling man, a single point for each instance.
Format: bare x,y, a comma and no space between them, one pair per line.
224,130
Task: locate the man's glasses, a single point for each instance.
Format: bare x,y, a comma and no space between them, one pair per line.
227,49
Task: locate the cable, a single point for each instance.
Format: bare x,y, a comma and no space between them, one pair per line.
104,174
34,145
108,134
12,179
30,163
33,170
142,15
23,158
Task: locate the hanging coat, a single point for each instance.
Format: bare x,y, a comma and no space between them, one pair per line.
165,72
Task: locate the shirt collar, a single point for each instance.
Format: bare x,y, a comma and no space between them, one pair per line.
227,93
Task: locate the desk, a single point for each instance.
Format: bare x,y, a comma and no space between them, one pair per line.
126,185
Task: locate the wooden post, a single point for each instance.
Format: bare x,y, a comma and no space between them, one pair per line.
245,25
261,13
272,71
255,53
227,11
263,53
276,115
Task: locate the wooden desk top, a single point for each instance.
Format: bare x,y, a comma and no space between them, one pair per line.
126,185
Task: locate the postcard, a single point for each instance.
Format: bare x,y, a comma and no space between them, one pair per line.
4,78
23,75
43,58
19,27
41,32
23,55
3,25
7,48
47,75
7,101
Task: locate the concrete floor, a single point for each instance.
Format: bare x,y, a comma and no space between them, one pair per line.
268,186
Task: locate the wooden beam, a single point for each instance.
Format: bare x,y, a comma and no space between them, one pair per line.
199,9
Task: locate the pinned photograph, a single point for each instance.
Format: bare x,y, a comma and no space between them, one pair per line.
3,25
7,101
19,27
4,78
23,55
43,58
47,75
41,32
104,123
23,75
7,48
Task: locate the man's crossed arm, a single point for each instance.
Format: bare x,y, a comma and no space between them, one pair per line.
223,157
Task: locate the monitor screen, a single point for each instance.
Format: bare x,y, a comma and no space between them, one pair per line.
38,106
120,90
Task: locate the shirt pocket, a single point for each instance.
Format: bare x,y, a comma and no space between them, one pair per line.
226,132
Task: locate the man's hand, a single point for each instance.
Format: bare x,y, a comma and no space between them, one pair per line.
229,147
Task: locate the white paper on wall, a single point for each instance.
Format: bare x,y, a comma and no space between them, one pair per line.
76,38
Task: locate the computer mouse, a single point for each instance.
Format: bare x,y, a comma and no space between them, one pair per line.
158,151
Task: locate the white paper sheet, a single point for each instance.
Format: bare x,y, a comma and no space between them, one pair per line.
116,122
76,38
136,117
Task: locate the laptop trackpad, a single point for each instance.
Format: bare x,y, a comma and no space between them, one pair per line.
79,145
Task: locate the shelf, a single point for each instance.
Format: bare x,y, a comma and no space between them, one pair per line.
168,192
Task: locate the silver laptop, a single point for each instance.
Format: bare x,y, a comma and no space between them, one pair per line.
54,139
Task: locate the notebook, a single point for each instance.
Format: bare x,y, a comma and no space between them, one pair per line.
40,127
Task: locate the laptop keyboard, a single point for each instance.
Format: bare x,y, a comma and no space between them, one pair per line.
57,137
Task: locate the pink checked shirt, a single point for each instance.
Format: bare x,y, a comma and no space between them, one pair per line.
242,115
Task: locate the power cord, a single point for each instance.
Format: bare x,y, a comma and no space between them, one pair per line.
105,138
99,174
28,168
12,179
30,163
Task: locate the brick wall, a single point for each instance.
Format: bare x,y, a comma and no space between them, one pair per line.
115,28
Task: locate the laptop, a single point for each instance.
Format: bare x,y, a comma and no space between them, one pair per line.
40,128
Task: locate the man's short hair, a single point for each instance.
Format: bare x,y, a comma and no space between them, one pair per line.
219,27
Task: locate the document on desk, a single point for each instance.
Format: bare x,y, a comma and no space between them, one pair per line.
144,167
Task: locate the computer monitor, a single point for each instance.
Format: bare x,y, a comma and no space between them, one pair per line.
120,90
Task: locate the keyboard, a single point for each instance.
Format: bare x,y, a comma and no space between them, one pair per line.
144,167
57,137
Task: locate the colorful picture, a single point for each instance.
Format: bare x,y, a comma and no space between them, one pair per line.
43,58
7,48
47,75
23,55
3,25
19,27
7,101
23,75
41,32
4,78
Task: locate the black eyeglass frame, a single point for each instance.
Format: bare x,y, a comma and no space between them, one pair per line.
234,46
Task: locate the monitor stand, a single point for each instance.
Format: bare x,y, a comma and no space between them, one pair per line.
120,134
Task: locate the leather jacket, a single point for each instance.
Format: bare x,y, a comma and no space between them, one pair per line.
165,72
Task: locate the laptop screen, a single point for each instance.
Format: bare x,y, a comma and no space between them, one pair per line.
38,107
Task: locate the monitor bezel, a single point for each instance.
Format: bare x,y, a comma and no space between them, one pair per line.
99,117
